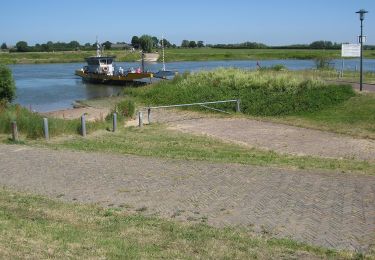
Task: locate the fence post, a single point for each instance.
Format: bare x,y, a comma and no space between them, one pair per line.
140,119
238,109
114,122
83,125
45,124
14,131
149,115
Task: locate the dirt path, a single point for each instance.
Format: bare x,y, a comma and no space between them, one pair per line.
322,208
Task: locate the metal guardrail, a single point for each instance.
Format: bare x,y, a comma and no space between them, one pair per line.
202,104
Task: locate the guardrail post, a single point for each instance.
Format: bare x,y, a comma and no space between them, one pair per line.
83,125
114,122
149,115
238,108
45,126
14,131
140,119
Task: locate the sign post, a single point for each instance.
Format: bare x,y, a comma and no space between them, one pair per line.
352,50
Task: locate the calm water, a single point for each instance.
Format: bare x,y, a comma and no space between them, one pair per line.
46,87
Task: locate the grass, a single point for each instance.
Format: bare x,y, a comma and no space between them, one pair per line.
262,93
355,117
158,141
198,54
30,124
39,228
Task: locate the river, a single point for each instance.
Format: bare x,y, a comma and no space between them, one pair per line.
47,87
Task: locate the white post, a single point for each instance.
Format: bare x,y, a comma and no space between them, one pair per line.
83,125
45,124
140,119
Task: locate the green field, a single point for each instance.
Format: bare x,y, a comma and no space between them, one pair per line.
35,227
179,54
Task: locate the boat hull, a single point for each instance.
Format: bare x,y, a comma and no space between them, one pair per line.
117,80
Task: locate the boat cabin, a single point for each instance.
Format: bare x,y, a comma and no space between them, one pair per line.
100,65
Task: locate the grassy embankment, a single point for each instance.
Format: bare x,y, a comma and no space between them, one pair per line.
284,96
36,227
198,54
30,125
264,95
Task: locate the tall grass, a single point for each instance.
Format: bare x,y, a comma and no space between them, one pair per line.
31,124
262,93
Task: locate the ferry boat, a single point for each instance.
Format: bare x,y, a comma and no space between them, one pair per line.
101,69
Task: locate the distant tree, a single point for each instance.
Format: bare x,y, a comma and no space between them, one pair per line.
321,45
166,43
135,42
192,44
22,46
174,46
4,46
107,45
146,43
200,44
155,42
185,44
7,86
74,45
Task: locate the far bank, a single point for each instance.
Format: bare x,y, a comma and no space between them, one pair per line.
173,55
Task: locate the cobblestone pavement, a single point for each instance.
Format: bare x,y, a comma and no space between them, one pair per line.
281,138
328,209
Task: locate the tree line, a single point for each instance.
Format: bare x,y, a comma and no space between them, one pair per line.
148,43
316,45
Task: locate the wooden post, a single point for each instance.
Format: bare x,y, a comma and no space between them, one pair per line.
149,115
238,108
140,119
14,131
83,125
45,125
114,122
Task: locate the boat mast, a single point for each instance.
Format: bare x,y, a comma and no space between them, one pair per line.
162,48
98,49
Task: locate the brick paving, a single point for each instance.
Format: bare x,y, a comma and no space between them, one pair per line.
328,209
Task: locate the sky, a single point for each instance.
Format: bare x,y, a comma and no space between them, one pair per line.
273,22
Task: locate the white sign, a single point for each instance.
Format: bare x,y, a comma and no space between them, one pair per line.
350,50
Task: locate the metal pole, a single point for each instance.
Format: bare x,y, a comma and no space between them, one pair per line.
14,131
143,62
342,69
238,109
45,124
114,122
149,115
361,62
140,119
83,125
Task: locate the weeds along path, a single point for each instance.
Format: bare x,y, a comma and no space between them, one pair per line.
328,209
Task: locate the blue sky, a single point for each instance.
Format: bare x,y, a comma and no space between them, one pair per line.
274,22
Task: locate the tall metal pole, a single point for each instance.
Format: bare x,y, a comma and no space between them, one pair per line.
361,62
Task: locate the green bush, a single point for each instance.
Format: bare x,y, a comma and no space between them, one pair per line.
262,93
7,85
126,108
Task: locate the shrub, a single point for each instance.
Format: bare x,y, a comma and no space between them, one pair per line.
323,63
262,93
126,108
7,86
